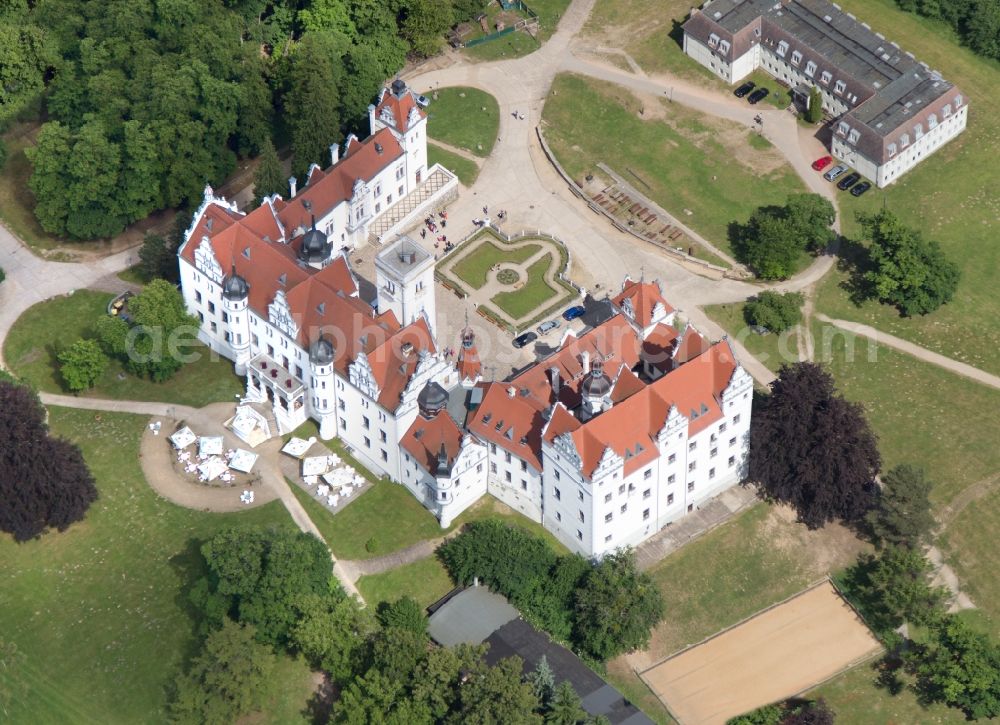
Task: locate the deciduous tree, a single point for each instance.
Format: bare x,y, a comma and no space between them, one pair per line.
331,631
403,613
497,694
82,364
617,606
775,311
907,271
44,481
812,449
162,330
230,677
424,24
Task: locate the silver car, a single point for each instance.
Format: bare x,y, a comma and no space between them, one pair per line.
833,173
547,326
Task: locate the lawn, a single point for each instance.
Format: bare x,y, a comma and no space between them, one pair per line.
100,611
134,275
969,541
465,169
778,96
426,581
464,117
688,161
474,266
534,292
922,414
952,197
771,349
37,336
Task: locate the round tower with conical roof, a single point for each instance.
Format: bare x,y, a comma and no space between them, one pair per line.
235,297
323,392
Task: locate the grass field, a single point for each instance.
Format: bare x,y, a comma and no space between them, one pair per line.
465,169
36,338
771,349
922,414
688,160
426,581
473,267
534,293
100,611
464,117
134,275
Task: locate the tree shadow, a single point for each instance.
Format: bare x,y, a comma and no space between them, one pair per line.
189,567
855,261
319,708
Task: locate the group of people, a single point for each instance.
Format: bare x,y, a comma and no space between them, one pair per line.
431,224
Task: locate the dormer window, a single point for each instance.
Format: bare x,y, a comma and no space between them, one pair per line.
810,69
892,150
958,101
946,111
918,131
839,87
796,57
782,49
843,128
713,40
825,77
724,46
853,136
904,140
283,279
931,121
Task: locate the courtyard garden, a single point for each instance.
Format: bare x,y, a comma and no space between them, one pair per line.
465,117
106,602
514,284
35,340
701,169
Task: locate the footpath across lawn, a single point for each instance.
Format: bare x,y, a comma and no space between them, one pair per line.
465,117
101,611
36,338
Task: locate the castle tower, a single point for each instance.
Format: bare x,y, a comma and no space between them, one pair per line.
397,110
323,401
594,391
235,293
404,275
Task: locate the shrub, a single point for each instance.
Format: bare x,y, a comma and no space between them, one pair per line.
775,311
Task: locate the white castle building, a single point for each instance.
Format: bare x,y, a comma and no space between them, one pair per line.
620,431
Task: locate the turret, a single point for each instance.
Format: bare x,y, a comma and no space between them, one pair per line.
322,388
235,296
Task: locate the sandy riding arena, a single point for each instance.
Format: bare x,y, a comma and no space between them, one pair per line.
775,654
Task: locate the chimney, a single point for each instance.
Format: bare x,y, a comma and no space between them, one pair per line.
334,153
293,185
554,371
585,361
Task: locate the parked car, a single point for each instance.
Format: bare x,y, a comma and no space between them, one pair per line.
833,173
822,163
547,326
859,189
757,96
573,312
525,339
848,181
744,89
423,101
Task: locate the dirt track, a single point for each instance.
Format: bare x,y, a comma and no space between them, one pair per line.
772,656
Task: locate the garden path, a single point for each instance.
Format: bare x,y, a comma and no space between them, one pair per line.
457,150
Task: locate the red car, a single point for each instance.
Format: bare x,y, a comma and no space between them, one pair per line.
820,164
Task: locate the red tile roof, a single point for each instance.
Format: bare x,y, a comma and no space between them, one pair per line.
326,189
395,359
469,366
643,297
512,422
400,107
425,437
658,347
691,345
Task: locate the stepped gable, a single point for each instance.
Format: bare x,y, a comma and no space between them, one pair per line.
395,359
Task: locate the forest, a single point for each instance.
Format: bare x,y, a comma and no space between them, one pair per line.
977,22
143,102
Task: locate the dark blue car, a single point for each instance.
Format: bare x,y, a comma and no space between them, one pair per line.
573,312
